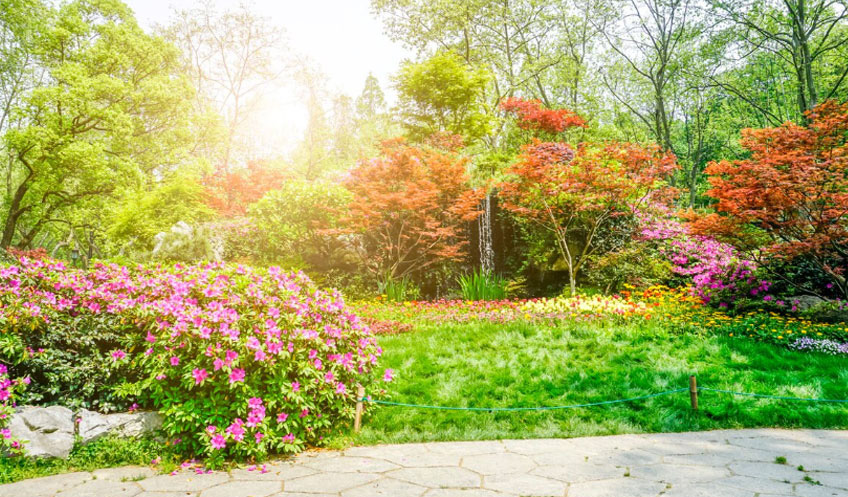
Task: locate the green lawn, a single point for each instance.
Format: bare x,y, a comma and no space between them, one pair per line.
521,364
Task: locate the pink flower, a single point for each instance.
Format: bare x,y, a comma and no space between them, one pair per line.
388,375
175,361
117,355
295,386
254,402
282,417
237,375
258,436
219,442
236,430
340,388
199,375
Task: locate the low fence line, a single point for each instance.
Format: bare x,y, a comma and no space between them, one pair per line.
766,396
693,390
507,409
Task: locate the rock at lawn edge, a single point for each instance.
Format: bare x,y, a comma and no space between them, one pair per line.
93,425
49,431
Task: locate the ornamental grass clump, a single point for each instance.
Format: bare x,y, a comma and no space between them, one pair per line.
241,362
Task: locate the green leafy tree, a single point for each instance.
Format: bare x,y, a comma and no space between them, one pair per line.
143,214
442,94
109,112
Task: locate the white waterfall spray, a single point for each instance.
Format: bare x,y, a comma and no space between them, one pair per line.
487,251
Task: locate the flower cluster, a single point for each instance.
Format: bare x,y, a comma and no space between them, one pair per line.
218,345
827,346
580,308
719,274
588,306
8,389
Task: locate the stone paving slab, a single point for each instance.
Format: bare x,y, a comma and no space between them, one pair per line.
731,463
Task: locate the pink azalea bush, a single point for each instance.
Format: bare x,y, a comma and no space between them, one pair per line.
9,389
240,361
719,274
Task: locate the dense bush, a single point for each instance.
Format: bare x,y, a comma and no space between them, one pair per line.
635,264
290,225
241,362
719,274
61,338
9,390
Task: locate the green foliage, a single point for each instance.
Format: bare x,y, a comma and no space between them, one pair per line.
290,223
442,94
634,264
482,286
108,112
144,214
68,358
106,452
398,289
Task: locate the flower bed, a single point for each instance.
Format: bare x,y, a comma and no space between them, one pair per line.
626,305
240,361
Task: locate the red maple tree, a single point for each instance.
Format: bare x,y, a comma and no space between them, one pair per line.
793,189
574,195
230,192
408,206
532,115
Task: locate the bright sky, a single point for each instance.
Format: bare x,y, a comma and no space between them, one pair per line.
342,38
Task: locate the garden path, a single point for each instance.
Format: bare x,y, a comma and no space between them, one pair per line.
737,463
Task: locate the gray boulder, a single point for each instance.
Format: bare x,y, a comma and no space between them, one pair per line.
47,431
93,425
804,302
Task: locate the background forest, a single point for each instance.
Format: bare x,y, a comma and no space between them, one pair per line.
131,145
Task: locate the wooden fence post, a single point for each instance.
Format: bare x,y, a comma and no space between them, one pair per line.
357,421
693,392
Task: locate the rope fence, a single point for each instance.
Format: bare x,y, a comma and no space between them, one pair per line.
693,390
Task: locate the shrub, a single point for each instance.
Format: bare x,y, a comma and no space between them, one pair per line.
241,362
482,286
8,390
290,224
720,275
55,332
634,264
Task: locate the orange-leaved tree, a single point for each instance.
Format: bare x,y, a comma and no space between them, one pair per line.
533,116
409,206
577,194
230,192
793,189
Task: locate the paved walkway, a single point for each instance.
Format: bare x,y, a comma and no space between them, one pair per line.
741,463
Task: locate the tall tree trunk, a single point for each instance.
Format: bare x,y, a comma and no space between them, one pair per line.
14,214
